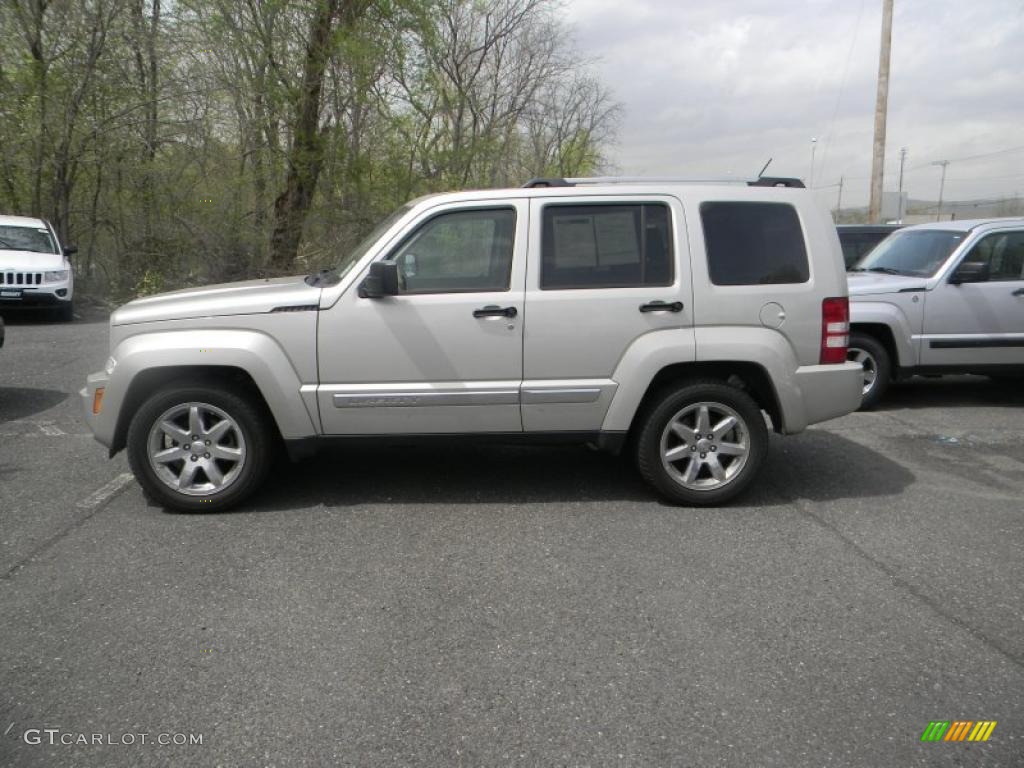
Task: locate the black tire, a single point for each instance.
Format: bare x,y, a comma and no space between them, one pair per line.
879,356
66,312
250,418
674,401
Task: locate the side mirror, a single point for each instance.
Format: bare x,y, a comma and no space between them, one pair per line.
70,250
382,280
970,272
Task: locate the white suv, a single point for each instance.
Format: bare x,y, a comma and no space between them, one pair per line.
34,268
672,320
940,298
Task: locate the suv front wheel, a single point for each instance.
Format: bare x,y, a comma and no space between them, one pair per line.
198,448
702,444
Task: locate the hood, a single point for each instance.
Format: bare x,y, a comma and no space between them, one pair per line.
30,261
861,283
245,298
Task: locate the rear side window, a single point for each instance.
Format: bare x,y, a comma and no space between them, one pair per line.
606,246
754,243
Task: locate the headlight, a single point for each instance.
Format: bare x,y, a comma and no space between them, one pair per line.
58,276
110,366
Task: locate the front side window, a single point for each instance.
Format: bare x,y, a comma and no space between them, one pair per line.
754,243
917,253
36,239
458,252
1003,255
606,246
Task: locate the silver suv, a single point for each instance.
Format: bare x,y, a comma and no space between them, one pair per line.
661,317
940,298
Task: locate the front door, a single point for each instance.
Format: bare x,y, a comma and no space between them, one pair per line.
446,354
979,323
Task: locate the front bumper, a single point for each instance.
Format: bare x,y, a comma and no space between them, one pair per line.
104,423
50,295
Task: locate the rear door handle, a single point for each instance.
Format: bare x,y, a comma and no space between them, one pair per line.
493,310
1019,292
662,306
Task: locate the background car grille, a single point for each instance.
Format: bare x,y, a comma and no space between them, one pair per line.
21,278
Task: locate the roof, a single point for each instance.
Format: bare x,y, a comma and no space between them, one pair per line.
21,221
966,225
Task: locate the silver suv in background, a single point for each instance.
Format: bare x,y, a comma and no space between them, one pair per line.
672,320
35,270
939,298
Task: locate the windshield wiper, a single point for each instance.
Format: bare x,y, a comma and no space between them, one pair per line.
321,278
887,271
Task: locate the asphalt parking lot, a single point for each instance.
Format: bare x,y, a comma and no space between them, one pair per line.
511,605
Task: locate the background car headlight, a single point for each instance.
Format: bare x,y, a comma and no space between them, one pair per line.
57,276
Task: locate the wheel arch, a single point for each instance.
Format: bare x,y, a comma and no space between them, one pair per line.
150,380
744,375
883,334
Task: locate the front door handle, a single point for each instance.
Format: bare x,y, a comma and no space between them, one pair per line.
493,310
1019,292
662,306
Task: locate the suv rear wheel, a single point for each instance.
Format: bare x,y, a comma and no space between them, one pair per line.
198,448
875,361
702,444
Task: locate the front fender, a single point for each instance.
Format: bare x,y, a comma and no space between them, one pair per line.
251,351
895,319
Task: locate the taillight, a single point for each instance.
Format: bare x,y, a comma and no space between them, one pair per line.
835,330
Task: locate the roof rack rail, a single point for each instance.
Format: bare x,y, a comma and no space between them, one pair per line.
764,181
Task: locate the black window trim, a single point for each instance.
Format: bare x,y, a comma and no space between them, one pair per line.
418,225
631,202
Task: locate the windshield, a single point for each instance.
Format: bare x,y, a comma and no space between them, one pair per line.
367,242
918,253
36,239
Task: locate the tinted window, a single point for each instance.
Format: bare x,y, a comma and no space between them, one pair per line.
857,245
459,251
606,246
911,252
754,243
1003,252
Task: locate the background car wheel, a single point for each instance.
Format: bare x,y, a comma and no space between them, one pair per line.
874,359
702,444
199,448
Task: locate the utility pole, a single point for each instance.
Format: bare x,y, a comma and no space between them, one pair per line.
839,200
814,145
942,185
881,109
903,159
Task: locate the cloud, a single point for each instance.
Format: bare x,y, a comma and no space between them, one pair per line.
718,88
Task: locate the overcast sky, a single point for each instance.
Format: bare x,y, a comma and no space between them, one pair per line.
719,86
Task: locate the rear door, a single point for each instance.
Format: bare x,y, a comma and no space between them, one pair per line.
603,272
979,323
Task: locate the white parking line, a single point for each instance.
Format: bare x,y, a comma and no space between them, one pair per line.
51,429
100,495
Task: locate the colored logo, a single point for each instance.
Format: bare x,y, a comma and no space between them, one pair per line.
958,730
